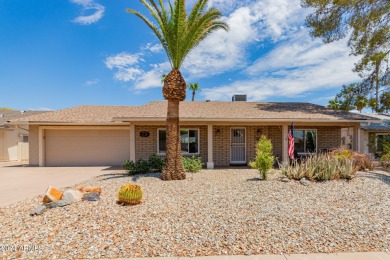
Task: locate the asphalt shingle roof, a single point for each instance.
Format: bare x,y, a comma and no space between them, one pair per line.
8,115
197,111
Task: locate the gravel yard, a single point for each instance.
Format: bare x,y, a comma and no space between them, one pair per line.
214,212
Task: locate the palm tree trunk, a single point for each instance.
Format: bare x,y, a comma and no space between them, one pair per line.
193,95
173,169
174,91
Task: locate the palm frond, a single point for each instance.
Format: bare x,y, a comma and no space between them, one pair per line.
177,32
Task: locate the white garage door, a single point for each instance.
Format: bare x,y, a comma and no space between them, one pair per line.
87,147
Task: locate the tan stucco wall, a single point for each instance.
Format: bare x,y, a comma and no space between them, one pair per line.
33,140
11,146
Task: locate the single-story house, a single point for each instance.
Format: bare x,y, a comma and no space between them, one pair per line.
222,133
14,138
372,133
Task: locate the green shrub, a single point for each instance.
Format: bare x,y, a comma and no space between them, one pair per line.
320,167
127,165
156,164
264,159
192,164
140,166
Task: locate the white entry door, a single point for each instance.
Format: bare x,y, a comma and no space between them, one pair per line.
237,146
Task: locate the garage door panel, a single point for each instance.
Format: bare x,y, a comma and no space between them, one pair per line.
87,147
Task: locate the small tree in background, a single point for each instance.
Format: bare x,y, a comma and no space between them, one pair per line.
194,87
264,157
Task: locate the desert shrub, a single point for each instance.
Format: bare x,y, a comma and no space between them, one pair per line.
264,159
360,160
156,164
140,166
320,167
192,164
385,161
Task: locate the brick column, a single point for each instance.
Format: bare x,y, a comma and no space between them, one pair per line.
210,160
285,143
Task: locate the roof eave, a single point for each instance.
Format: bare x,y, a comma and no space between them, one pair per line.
184,119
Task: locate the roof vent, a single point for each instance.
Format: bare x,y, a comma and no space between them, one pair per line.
1,115
22,112
208,100
236,98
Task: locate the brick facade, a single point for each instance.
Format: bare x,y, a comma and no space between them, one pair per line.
327,137
146,146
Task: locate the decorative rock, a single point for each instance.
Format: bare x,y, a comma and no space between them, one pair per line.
60,203
46,199
91,197
52,195
304,182
285,179
91,190
72,196
38,211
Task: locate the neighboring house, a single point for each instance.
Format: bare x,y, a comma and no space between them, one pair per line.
222,133
14,139
372,134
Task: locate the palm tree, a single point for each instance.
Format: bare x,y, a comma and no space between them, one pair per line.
195,88
163,76
178,33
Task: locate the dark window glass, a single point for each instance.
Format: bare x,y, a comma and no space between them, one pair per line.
162,140
189,141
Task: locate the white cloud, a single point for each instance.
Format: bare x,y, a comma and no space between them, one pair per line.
92,82
223,51
122,60
293,68
296,65
153,48
89,6
129,68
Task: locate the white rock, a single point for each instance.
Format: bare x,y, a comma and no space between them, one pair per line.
72,196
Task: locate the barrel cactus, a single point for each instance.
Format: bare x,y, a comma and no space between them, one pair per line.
130,194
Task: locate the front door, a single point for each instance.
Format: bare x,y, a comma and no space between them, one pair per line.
237,146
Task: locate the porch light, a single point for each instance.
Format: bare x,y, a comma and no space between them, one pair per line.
259,131
218,132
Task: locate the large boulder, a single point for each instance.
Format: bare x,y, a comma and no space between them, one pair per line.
52,195
38,211
87,190
72,196
59,203
91,197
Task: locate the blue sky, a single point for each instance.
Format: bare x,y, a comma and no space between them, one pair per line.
63,53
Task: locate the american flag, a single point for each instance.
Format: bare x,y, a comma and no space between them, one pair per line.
291,141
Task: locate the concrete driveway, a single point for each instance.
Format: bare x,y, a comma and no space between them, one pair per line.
18,182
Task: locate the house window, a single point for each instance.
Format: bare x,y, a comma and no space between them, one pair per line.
380,140
25,138
189,141
305,141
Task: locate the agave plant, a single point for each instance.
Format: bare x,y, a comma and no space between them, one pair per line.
320,167
179,33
